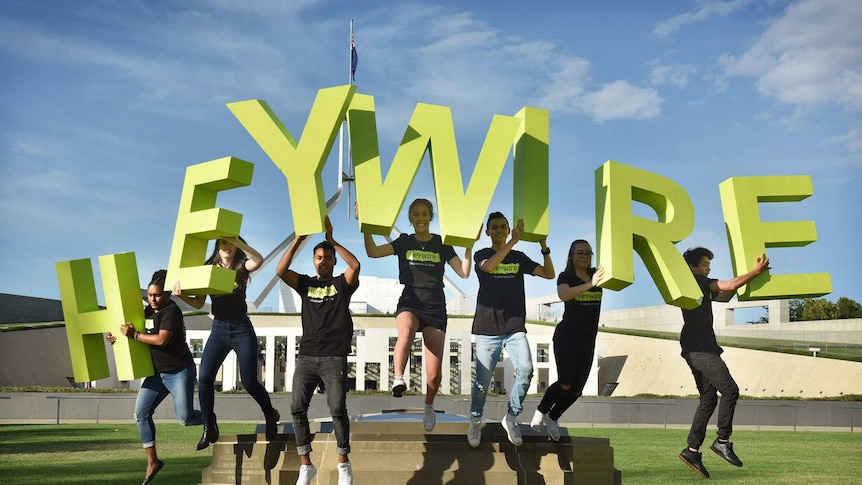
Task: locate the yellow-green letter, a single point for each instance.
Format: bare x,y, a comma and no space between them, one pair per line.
460,213
302,162
749,236
199,221
620,231
86,323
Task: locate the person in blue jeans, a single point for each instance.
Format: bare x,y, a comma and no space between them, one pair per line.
500,320
327,331
231,330
702,353
173,364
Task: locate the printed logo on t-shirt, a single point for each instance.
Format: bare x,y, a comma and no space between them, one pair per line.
506,269
419,256
590,297
320,293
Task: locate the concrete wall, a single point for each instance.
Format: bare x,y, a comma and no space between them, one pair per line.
654,366
44,408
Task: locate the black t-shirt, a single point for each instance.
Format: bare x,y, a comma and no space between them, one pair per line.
697,333
230,306
175,354
581,314
327,326
421,264
500,305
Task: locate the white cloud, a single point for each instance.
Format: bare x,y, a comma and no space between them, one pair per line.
810,56
705,10
673,75
621,100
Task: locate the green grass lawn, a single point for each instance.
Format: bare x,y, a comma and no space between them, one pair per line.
102,454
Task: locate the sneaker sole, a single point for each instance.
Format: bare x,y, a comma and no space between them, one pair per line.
693,468
398,390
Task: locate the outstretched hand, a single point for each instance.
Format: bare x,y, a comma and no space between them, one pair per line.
518,230
598,275
761,264
111,338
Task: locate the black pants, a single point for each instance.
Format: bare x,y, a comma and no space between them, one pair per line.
711,376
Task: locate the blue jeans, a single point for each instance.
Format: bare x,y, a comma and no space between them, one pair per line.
488,348
237,335
181,385
308,373
711,376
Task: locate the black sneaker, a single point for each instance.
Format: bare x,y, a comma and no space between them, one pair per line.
694,461
725,450
272,419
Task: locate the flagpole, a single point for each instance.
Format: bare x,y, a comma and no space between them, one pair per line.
348,175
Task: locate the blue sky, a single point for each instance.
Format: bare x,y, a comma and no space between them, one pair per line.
106,103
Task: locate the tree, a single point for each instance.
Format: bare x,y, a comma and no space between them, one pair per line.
819,309
797,307
809,309
847,308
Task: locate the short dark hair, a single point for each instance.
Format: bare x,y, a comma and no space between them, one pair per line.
693,256
495,215
325,246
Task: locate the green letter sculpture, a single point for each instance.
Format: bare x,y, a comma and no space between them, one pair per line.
85,322
301,163
749,236
199,221
619,231
460,213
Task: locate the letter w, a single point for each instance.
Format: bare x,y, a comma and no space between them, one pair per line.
461,214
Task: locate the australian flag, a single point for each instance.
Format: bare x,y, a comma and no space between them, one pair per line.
354,59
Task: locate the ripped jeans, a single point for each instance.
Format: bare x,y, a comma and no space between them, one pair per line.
180,385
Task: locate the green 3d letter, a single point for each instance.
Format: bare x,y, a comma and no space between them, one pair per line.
302,162
86,323
620,231
460,212
199,221
749,236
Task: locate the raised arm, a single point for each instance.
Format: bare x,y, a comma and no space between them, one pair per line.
546,269
283,269
566,292
462,266
195,301
351,274
761,264
373,250
489,264
254,258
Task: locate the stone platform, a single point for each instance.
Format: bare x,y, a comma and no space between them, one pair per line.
394,448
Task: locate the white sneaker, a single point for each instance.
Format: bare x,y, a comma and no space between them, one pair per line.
430,418
345,474
512,430
538,420
306,473
553,428
474,431
398,386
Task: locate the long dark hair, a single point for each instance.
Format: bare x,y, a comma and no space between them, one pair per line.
570,265
158,279
238,265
